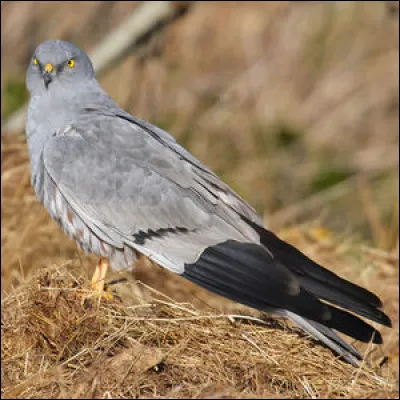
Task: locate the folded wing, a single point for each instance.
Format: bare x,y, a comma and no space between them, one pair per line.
133,186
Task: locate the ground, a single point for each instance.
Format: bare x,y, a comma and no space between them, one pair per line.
294,104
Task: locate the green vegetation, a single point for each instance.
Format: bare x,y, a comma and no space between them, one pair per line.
328,176
13,97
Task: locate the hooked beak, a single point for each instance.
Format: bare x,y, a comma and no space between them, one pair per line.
47,77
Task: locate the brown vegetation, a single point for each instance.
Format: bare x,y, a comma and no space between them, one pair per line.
293,104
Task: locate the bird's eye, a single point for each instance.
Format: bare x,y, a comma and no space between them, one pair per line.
35,61
71,63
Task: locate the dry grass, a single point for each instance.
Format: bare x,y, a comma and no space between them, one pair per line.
274,99
58,341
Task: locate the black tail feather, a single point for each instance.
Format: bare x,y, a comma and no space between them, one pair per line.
353,326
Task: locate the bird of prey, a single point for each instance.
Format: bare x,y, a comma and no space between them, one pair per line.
121,186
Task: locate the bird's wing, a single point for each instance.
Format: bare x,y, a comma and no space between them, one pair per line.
202,174
129,189
132,187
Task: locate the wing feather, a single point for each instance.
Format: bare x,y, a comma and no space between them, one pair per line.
122,191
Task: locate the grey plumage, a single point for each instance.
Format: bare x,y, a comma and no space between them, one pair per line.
116,183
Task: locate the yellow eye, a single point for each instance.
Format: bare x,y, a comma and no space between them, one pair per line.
71,63
35,61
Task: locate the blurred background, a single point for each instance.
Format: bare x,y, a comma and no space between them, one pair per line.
294,104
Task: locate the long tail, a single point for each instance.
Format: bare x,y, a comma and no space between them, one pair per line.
326,336
276,277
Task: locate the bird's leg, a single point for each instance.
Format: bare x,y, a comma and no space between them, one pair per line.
98,279
99,275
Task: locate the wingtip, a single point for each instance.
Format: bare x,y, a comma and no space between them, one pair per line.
386,320
323,282
381,318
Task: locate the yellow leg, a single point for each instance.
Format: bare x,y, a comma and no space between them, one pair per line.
98,279
99,275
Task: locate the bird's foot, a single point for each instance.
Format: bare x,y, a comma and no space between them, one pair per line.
103,291
97,284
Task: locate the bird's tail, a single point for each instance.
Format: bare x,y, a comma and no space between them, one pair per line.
326,336
275,277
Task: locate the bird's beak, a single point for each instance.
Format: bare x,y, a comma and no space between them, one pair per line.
47,71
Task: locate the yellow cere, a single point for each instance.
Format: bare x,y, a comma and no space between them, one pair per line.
48,68
35,61
71,63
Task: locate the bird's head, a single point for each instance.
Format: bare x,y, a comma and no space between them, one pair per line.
57,63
